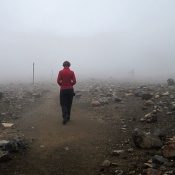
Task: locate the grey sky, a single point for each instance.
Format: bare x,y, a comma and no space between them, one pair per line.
108,37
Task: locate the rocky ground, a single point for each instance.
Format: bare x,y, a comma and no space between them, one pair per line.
117,128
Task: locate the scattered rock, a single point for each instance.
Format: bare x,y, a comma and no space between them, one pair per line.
106,163
14,145
4,156
66,148
36,95
170,82
118,172
117,100
145,140
104,101
168,172
118,152
173,107
149,118
130,150
159,160
78,96
95,103
1,95
149,103
166,94
3,143
147,96
152,171
169,149
7,125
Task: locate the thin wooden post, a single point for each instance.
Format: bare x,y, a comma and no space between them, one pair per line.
33,73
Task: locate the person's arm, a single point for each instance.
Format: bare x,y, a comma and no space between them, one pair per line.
73,79
59,79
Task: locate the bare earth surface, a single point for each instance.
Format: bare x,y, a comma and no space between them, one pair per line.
76,148
94,133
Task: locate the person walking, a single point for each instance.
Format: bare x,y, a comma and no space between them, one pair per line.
66,80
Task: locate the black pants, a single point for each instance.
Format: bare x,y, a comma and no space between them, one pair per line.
66,98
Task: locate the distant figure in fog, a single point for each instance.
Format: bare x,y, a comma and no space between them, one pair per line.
66,80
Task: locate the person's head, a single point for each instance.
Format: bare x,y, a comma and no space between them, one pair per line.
66,64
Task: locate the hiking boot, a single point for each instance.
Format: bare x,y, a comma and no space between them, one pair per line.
64,121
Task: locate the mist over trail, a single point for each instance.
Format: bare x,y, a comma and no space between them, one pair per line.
102,39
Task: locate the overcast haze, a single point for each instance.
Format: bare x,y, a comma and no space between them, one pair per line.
99,37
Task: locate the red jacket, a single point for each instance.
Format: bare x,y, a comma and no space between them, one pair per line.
66,78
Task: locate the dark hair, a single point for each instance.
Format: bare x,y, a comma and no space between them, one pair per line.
66,64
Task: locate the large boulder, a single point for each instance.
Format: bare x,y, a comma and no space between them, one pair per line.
145,140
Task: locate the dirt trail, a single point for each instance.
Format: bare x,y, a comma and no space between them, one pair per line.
76,148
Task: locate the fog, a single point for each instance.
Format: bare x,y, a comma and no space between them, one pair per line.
121,39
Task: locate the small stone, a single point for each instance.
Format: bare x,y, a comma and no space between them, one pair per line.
157,96
4,155
173,107
169,150
1,95
36,95
150,118
129,94
130,150
172,96
166,94
114,164
148,165
66,148
169,113
169,172
116,99
159,159
7,125
95,103
118,172
3,143
132,172
152,171
147,96
170,82
149,103
106,163
118,152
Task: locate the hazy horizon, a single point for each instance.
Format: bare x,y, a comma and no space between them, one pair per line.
114,38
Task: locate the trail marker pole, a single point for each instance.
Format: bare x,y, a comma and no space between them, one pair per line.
33,73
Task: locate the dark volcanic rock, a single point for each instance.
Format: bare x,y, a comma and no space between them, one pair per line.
144,140
14,145
149,118
116,99
169,150
159,160
152,171
170,82
147,96
1,95
4,156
